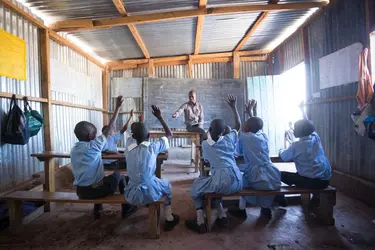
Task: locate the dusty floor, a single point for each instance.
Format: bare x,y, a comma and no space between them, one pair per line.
73,227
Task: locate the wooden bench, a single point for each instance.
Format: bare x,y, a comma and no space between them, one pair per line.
324,213
14,202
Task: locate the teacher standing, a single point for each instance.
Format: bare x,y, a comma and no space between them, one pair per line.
193,112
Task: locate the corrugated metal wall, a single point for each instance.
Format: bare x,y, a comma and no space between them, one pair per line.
65,118
289,54
16,165
340,26
200,71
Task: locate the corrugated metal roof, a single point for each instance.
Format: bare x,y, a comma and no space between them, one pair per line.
169,38
273,26
142,6
113,44
78,9
223,32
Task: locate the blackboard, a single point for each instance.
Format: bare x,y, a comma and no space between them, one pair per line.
170,94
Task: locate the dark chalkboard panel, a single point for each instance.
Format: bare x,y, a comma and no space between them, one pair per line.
170,94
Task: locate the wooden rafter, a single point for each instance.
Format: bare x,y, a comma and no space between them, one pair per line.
243,56
199,30
122,10
254,27
88,24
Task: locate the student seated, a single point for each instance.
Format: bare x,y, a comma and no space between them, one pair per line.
87,165
259,172
313,168
143,186
226,178
112,141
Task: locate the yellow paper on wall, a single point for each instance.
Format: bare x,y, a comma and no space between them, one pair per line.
12,56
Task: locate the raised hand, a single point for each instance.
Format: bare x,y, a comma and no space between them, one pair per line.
301,105
232,101
119,101
140,117
131,113
156,111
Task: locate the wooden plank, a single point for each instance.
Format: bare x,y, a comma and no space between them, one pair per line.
199,29
150,69
120,7
20,97
68,104
254,52
212,55
251,31
139,40
15,214
63,197
122,10
190,68
46,88
283,190
212,60
236,65
253,58
83,24
154,221
105,78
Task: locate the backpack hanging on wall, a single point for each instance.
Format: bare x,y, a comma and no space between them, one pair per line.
34,119
16,126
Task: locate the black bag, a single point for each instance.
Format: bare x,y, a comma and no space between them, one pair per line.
16,126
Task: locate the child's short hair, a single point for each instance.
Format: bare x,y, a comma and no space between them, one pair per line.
254,124
140,132
303,128
104,128
217,128
83,129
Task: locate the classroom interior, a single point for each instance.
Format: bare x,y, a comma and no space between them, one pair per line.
80,55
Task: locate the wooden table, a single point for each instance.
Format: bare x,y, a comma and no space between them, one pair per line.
193,136
49,167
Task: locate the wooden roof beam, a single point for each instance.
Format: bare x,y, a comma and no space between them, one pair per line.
199,30
122,10
88,24
254,27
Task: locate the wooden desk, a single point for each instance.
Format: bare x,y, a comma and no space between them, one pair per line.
193,136
49,167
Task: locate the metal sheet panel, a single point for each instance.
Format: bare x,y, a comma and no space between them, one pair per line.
144,6
221,3
272,27
250,69
65,118
16,165
292,52
343,24
175,71
112,44
176,37
223,32
63,10
213,71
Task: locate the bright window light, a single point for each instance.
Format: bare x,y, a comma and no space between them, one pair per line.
290,30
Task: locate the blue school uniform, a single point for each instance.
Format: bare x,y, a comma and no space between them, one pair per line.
87,164
143,186
309,158
112,141
259,172
225,176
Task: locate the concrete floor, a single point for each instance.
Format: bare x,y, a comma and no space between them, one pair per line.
72,226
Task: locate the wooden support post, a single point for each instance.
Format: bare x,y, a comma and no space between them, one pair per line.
154,220
49,169
208,213
305,199
105,95
150,67
236,65
15,214
325,211
307,59
190,67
